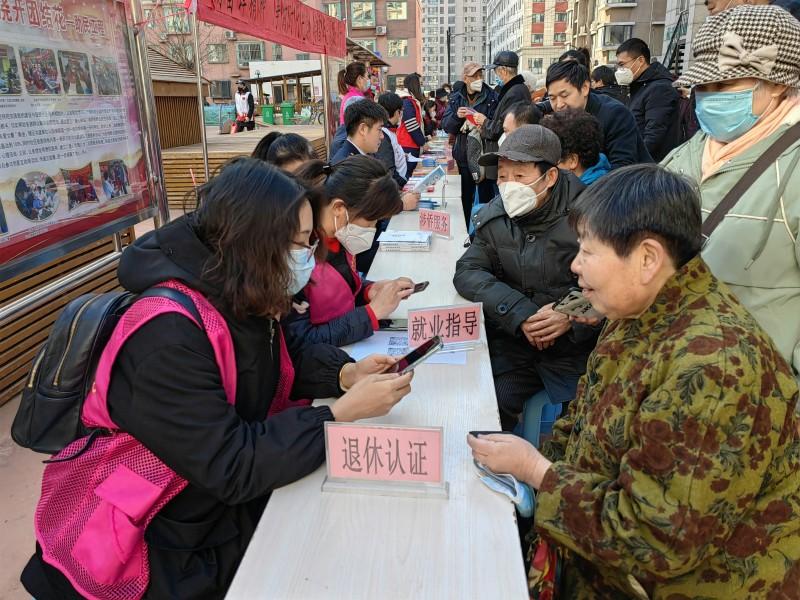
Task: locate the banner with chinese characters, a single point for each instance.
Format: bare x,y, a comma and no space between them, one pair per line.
458,323
436,221
287,22
71,161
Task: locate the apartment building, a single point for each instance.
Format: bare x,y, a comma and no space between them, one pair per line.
545,25
505,26
392,29
465,21
683,19
602,25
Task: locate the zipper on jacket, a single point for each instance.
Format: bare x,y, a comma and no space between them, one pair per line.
271,340
73,326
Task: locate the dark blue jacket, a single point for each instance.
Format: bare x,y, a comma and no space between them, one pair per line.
484,102
622,143
346,150
655,106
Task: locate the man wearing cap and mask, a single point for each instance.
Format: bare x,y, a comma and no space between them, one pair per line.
475,97
519,265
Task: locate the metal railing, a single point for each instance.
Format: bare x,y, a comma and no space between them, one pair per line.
673,48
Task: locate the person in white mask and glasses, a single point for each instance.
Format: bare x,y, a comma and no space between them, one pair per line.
342,307
519,265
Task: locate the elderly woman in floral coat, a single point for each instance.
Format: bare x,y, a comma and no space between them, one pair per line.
676,473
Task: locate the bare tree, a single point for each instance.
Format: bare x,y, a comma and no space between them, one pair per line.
169,30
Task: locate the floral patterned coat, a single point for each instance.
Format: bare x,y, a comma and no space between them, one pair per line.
676,472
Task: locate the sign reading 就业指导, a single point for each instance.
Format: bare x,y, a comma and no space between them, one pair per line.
458,323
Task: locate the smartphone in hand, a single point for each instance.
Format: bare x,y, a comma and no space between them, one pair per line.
421,287
417,356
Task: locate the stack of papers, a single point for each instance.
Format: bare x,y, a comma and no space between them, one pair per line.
405,241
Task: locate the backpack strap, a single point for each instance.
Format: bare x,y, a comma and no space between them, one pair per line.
169,297
748,179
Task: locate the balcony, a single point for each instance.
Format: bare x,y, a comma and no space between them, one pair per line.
609,4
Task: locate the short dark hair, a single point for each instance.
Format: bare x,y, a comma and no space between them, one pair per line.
525,113
635,47
580,134
580,55
247,215
639,201
390,102
361,182
571,71
365,111
605,74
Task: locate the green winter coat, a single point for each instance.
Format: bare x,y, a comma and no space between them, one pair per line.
755,250
677,469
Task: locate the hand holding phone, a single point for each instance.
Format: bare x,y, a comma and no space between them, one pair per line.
417,356
421,287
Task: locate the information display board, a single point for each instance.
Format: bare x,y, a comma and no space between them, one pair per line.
72,163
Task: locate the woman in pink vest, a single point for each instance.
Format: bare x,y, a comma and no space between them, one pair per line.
353,83
246,249
411,135
343,308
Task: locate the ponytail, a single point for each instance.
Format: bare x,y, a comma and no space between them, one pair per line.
340,82
361,182
349,76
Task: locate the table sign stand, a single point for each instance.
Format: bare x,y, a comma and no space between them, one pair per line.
385,460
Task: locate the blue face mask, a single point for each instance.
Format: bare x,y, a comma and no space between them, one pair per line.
725,116
301,263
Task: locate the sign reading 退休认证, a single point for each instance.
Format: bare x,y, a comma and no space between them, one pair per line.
384,459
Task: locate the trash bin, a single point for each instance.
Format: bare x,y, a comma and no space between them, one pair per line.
287,112
268,114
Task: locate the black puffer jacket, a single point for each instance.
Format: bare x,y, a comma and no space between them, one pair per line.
622,142
167,393
510,93
655,105
516,266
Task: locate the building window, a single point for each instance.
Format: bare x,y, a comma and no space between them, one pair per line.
149,17
537,39
277,52
363,14
537,17
303,56
217,53
451,20
397,11
398,48
537,66
368,43
247,51
176,19
451,10
614,35
561,16
221,89
333,9
560,37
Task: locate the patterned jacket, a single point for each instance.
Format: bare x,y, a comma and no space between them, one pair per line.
677,468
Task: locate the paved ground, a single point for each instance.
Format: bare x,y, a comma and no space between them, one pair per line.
21,475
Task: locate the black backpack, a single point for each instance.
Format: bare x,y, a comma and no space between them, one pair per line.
49,414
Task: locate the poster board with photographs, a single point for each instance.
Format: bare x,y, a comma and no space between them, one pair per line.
72,162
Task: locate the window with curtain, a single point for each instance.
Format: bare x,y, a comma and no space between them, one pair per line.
217,53
175,19
398,48
397,11
247,51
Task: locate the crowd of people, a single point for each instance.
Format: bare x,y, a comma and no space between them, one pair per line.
674,468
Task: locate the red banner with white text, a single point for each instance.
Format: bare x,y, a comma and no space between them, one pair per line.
288,22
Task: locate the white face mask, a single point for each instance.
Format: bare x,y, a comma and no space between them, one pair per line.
624,76
520,198
301,264
477,85
355,238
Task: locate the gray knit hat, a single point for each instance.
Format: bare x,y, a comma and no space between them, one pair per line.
762,42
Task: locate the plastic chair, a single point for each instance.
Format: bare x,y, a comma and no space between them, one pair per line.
538,417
